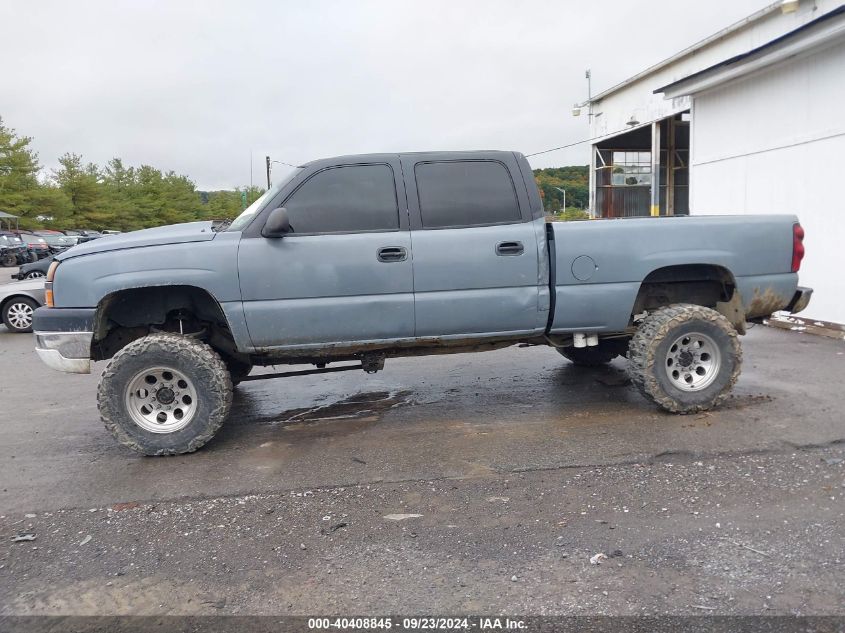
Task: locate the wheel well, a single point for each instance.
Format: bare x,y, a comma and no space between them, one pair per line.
126,315
701,284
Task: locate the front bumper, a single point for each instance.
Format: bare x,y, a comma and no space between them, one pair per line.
65,351
800,300
63,338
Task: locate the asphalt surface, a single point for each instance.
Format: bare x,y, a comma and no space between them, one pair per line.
520,466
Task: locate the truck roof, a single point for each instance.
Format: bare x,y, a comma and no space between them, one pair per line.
432,155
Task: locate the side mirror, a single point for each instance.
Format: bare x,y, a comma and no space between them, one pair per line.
277,224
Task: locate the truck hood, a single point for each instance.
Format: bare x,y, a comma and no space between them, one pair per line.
173,234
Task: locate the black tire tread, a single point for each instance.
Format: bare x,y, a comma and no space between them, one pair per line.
644,343
202,355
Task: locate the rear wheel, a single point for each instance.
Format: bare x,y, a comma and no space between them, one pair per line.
685,358
165,394
17,314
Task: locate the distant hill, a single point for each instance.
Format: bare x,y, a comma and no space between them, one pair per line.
574,179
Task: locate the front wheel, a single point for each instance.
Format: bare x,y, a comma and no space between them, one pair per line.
165,394
685,358
34,274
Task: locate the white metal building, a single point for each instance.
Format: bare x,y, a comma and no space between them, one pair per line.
748,121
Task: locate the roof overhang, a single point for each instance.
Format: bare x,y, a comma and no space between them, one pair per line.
824,31
690,50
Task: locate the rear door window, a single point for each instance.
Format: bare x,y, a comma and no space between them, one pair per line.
346,199
465,193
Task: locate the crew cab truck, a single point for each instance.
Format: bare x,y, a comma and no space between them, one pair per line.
357,259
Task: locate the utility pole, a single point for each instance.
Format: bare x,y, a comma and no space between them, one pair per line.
268,172
563,191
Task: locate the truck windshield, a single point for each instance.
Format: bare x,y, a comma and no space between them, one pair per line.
247,215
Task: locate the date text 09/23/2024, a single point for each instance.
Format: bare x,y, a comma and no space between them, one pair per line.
419,623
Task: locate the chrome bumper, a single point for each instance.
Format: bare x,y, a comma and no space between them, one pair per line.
800,300
65,351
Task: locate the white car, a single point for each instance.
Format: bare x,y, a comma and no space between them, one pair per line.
18,301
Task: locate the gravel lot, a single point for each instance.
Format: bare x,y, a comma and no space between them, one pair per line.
506,472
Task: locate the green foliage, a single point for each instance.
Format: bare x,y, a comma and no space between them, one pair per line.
18,175
228,204
575,180
571,213
116,196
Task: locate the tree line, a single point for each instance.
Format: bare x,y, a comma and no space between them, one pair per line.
116,196
575,180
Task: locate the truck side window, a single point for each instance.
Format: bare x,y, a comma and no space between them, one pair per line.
465,193
345,199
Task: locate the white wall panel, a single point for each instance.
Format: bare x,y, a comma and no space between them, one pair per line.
806,180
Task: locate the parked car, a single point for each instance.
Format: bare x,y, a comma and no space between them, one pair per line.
18,301
34,270
13,250
363,258
83,235
60,242
37,246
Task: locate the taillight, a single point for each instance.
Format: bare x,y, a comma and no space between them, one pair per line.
797,246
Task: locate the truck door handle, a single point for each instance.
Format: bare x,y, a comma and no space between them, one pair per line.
392,254
509,248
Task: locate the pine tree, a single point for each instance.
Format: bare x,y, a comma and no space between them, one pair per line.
18,175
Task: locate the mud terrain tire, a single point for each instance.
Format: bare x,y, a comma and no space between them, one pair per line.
672,332
178,362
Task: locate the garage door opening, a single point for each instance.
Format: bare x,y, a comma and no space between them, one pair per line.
626,176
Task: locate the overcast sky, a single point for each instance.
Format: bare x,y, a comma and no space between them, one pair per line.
197,86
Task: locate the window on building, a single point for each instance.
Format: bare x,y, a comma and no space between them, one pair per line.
465,193
631,169
345,199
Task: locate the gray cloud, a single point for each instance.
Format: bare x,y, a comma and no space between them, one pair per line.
196,86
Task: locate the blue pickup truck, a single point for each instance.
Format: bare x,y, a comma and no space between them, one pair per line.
356,259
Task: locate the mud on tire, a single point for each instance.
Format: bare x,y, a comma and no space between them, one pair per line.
653,354
194,364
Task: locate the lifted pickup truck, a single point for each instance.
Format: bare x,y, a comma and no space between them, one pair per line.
362,258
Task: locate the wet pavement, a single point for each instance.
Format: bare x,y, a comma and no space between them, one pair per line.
522,468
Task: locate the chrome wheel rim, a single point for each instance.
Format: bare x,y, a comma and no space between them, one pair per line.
161,400
20,315
35,274
693,361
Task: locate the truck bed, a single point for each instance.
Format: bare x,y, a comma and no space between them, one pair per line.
600,265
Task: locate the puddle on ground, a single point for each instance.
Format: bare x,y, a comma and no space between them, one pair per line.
366,406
